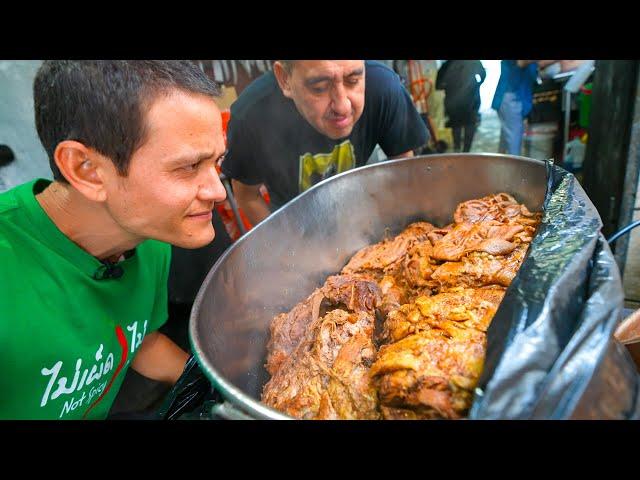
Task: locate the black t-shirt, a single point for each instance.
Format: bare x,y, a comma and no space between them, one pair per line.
270,142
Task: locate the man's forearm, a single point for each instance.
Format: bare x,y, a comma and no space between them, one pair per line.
255,209
408,153
251,202
160,359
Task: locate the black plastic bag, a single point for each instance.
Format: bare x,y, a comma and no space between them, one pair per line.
190,396
551,353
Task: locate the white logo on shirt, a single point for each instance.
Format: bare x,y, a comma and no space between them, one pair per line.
59,385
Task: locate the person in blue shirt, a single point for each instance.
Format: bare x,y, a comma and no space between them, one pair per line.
513,100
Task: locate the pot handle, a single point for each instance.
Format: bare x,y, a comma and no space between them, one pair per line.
227,411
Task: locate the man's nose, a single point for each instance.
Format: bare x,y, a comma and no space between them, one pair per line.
211,189
340,102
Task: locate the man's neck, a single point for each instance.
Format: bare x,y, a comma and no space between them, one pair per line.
86,223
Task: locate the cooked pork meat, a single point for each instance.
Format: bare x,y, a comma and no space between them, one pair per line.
500,207
287,329
468,307
383,263
434,370
478,269
386,256
326,376
416,413
419,265
393,295
434,354
437,233
355,293
491,237
350,393
400,333
352,292
526,235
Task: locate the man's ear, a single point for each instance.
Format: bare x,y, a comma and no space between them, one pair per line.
283,78
83,168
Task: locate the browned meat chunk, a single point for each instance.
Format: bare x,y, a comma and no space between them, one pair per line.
419,265
436,234
435,371
417,413
287,329
479,269
467,307
387,255
327,374
355,293
393,295
351,292
491,237
501,207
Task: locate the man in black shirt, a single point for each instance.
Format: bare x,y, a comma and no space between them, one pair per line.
461,80
311,119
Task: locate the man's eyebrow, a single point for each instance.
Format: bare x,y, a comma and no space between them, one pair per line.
327,78
356,72
191,158
319,79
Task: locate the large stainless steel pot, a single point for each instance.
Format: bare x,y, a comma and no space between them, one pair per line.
280,261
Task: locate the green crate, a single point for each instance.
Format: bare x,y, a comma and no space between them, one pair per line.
584,105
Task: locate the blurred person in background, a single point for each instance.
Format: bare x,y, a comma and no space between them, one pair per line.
513,100
461,80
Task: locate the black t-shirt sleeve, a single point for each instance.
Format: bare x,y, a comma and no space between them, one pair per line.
401,128
241,162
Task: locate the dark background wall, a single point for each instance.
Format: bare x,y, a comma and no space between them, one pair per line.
606,158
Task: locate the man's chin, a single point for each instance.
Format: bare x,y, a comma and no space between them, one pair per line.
337,134
194,241
340,135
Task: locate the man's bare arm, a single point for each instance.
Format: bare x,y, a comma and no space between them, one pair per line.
160,359
541,63
250,201
408,153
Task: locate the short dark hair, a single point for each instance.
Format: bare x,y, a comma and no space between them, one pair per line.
102,103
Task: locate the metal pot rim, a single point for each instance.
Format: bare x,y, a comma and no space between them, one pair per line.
227,389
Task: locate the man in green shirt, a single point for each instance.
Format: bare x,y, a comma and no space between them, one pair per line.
84,259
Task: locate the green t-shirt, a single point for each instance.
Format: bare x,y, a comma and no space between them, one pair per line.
67,339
